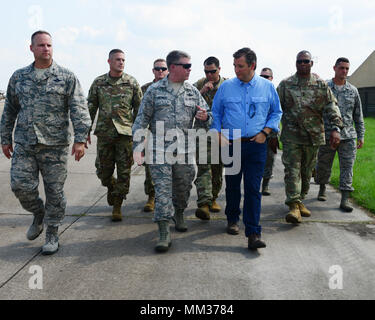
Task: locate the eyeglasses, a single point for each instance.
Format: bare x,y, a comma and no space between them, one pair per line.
184,65
305,61
210,71
265,76
160,69
252,111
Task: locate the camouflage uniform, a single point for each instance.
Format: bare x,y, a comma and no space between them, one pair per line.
210,176
42,106
149,185
173,182
303,102
118,101
350,106
271,156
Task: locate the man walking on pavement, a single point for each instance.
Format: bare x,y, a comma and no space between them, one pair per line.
304,99
117,96
160,71
272,146
352,138
210,176
41,97
172,104
249,103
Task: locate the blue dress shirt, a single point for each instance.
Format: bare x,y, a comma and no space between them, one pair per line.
250,107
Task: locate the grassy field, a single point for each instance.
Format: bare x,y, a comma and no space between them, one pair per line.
364,170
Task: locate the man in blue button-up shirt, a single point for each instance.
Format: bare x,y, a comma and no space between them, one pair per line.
249,103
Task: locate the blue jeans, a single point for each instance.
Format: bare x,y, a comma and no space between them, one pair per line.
253,160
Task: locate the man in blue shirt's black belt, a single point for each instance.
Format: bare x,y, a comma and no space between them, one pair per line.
248,107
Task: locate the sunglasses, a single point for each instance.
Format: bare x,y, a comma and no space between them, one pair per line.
210,71
160,69
184,65
265,76
303,61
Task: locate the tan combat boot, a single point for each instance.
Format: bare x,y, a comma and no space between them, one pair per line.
150,205
116,213
215,206
294,215
203,213
303,210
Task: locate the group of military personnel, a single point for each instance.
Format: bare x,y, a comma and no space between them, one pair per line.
318,119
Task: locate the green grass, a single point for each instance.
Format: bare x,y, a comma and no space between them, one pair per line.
364,170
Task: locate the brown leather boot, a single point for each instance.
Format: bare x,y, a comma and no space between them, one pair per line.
255,242
116,213
150,205
294,215
233,228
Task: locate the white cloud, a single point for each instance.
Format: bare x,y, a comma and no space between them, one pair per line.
122,31
67,36
35,17
92,32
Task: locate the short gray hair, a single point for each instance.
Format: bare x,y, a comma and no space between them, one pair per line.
175,56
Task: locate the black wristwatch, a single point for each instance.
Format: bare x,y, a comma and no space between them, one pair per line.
265,133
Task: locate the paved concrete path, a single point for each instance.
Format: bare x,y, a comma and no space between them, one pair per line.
99,259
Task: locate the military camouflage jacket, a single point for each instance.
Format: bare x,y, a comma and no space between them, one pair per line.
146,86
350,106
118,101
42,107
161,105
209,95
304,101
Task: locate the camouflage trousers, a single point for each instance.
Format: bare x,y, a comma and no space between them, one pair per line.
209,179
347,152
172,184
299,161
268,170
115,153
51,163
149,184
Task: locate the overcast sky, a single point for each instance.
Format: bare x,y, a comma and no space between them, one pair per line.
84,31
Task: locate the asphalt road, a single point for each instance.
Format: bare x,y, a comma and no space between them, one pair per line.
328,256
